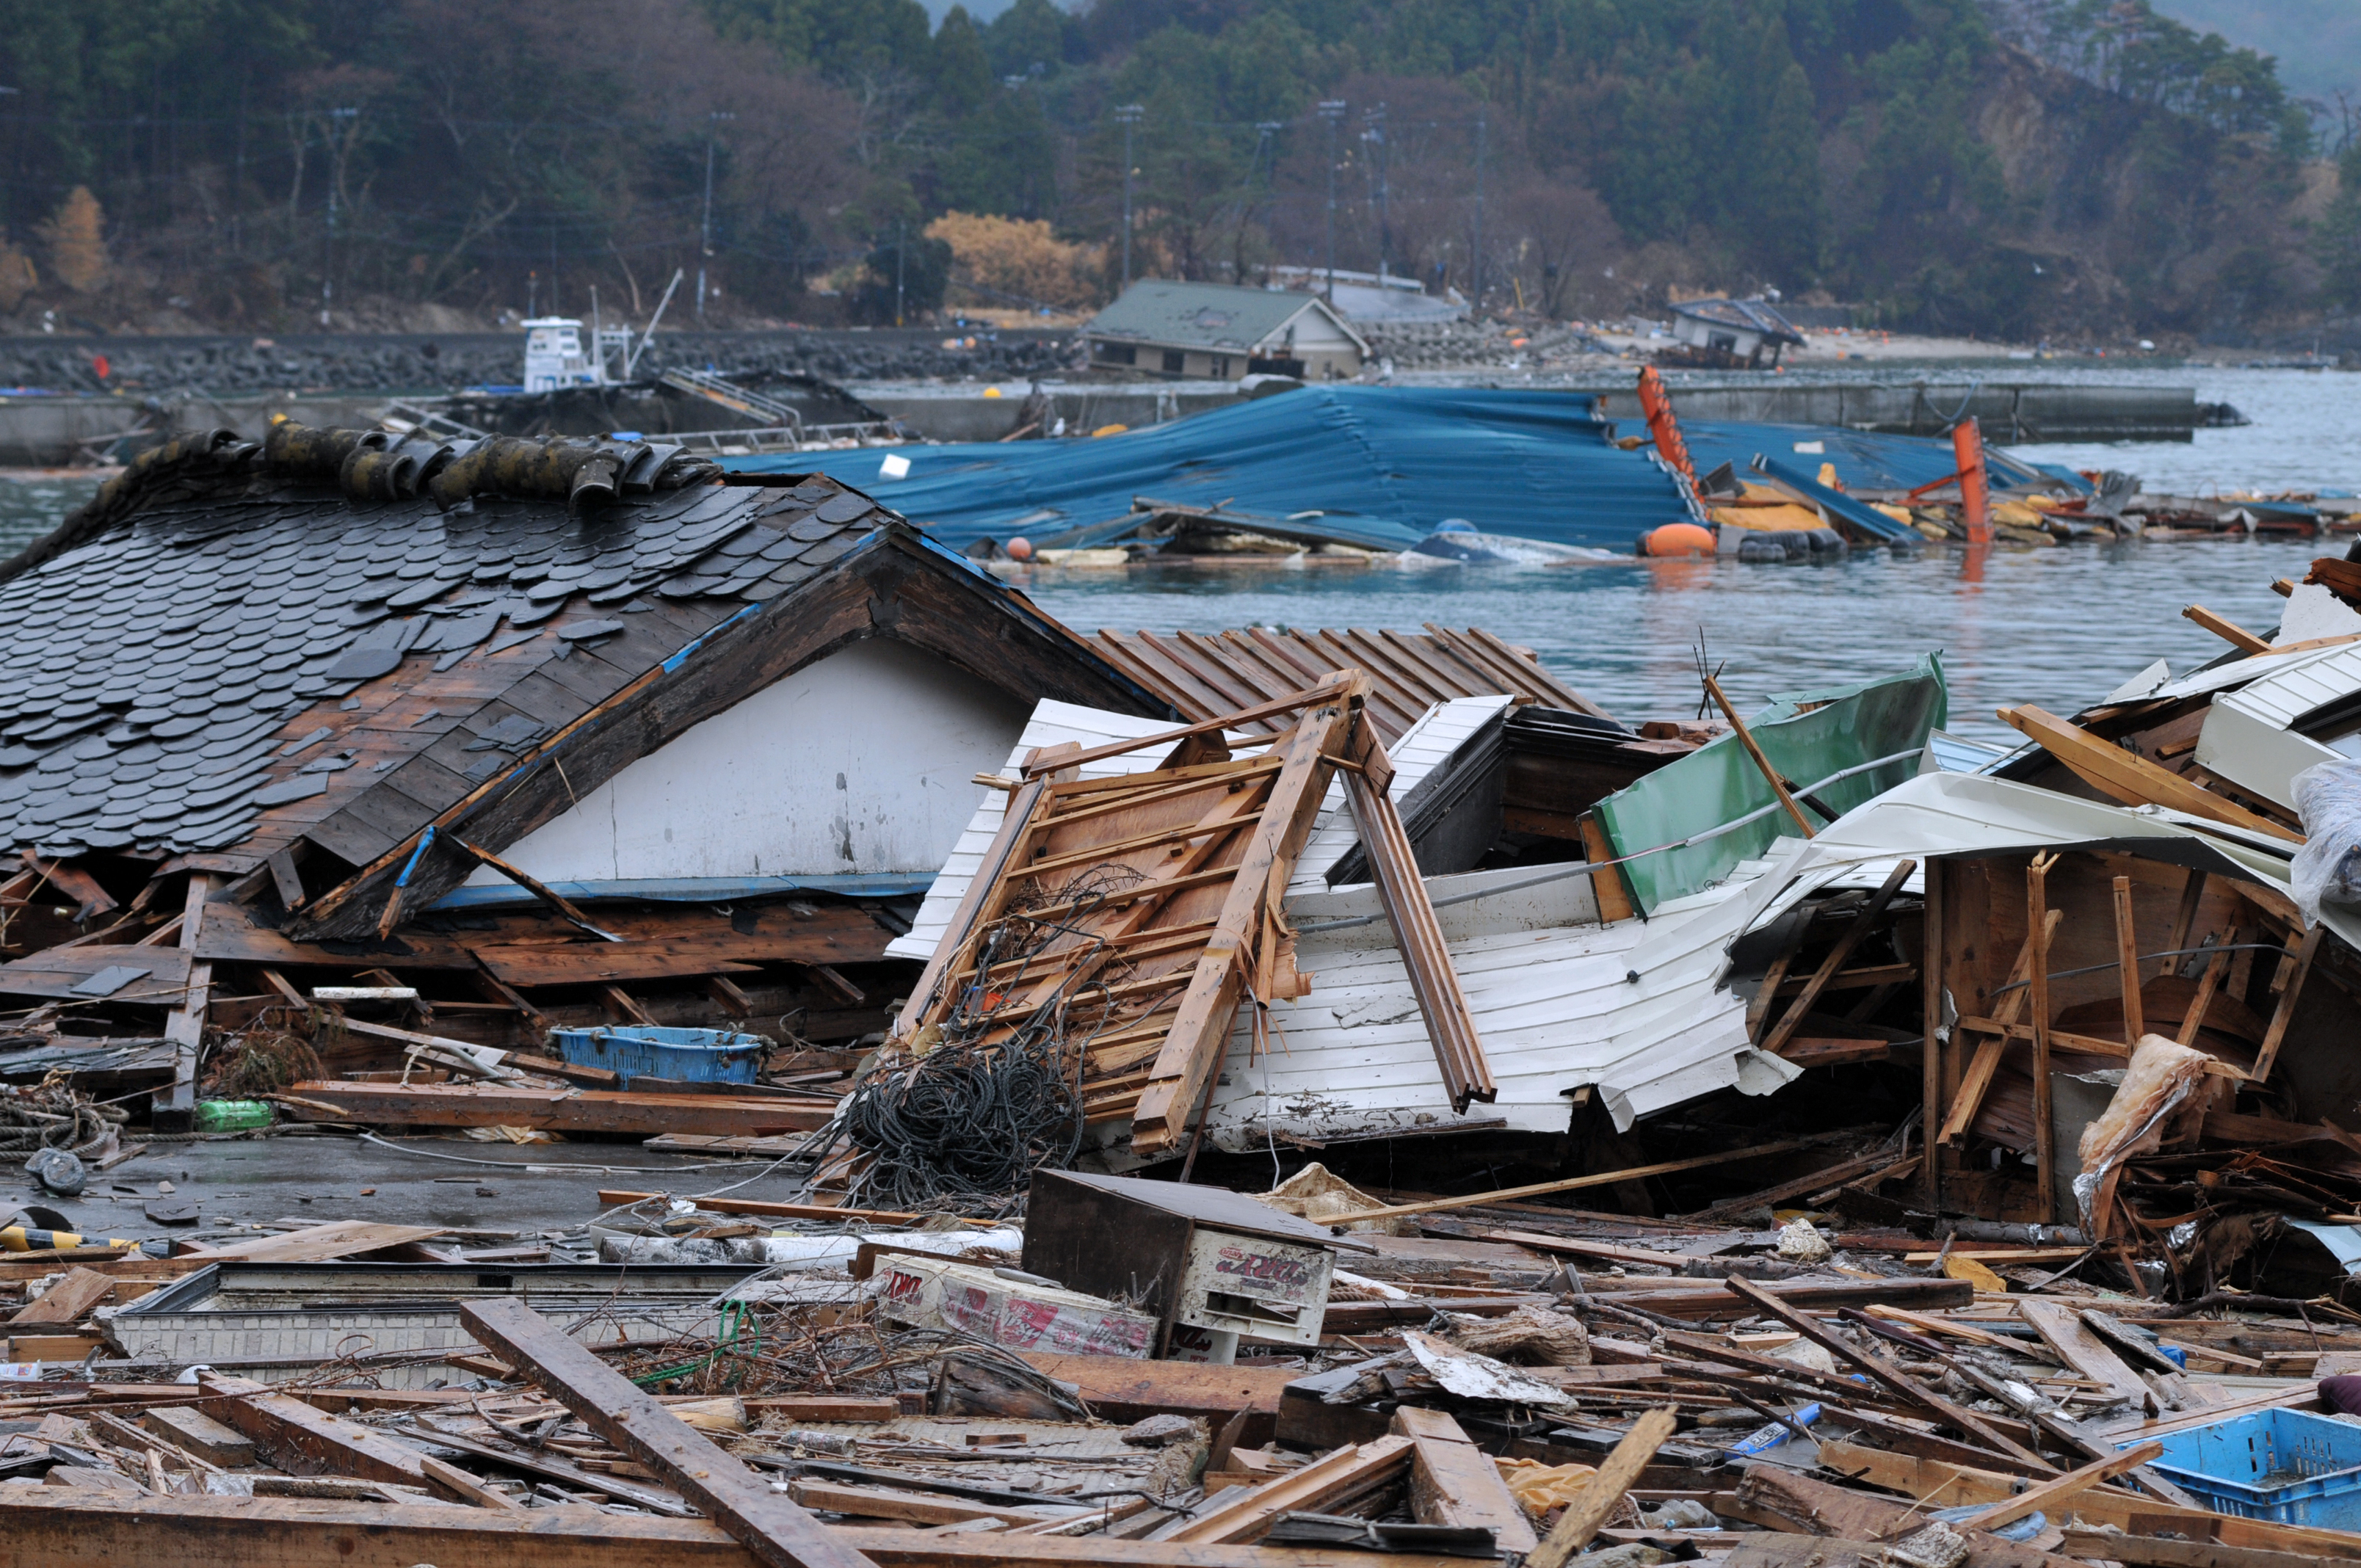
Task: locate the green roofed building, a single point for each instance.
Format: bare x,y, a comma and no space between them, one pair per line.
1222,332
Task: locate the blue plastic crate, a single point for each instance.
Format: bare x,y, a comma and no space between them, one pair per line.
691,1056
2289,1467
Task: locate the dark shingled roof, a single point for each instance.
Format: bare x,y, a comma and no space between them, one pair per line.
340,638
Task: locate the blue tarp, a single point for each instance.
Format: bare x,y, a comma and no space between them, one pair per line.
1864,460
1383,465
1378,467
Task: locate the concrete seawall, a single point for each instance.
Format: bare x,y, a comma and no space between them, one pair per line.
40,432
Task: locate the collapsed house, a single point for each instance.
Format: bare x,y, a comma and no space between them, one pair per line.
546,732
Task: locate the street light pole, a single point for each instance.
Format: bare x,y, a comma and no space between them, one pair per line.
705,226
336,178
1129,114
1476,265
1376,136
1332,111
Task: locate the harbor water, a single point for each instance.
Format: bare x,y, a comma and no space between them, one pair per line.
2059,627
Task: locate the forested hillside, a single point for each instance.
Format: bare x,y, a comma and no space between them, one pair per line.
2069,168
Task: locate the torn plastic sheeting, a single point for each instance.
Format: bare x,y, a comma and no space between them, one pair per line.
2327,870
1474,1376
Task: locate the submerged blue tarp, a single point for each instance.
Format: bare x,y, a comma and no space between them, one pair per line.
1383,465
1378,466
1864,460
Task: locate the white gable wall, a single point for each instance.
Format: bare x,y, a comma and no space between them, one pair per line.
863,762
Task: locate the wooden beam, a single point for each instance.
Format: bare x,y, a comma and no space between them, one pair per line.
1932,1050
1746,738
2133,780
771,1527
1852,937
541,890
2284,1013
2229,632
66,1302
560,1110
175,1108
2207,985
1605,1491
58,1527
2127,962
2044,1136
620,1005
1452,1482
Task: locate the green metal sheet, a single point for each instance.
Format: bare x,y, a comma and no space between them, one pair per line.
1808,736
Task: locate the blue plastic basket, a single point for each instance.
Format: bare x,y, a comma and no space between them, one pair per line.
690,1055
2289,1467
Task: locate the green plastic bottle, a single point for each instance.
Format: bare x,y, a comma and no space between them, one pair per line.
233,1115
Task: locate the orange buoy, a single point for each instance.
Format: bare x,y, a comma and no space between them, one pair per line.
1678,539
1020,549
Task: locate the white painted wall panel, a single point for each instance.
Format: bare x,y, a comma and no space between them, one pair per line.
860,763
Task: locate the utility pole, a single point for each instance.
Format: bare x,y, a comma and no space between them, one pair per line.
1129,114
1376,137
1264,131
705,228
901,245
1332,111
1475,264
337,146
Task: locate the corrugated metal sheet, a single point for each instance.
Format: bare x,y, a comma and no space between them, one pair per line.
1207,674
1383,464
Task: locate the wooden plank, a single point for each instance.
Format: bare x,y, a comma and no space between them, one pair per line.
1600,1497
724,951
57,1528
1811,1506
615,1198
1245,1514
1452,1482
1606,881
66,1302
1328,690
1120,1389
319,1244
1418,934
2133,780
2083,1350
2153,1551
916,1508
2050,1493
559,1110
771,1527
293,1436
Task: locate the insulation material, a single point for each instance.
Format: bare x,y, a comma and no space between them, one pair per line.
2328,868
2158,1082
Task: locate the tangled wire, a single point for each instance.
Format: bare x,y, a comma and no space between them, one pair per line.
991,1098
52,1116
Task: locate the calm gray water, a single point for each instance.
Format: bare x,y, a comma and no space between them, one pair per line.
2059,627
